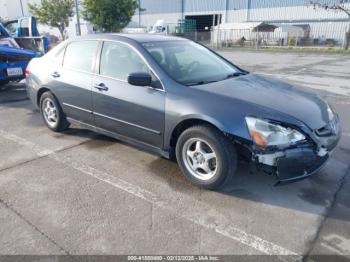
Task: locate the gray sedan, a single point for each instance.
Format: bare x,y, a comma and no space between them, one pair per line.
180,100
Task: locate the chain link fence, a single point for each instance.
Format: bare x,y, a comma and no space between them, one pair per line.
281,37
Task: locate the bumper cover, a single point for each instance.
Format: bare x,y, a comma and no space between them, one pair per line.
294,164
298,164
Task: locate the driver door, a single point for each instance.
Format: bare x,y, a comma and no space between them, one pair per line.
135,112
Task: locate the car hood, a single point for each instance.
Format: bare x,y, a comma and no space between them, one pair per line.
274,95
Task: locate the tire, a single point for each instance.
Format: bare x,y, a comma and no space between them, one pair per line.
54,118
192,156
4,82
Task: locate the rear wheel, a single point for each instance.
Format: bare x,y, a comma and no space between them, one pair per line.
206,157
52,113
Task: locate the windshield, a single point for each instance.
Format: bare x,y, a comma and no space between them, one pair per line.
189,63
157,29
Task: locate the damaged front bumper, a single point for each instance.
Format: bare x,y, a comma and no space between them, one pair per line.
299,164
298,161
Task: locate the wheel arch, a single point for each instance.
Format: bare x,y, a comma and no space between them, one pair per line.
41,91
188,122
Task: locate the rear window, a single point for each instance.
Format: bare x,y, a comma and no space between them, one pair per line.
80,55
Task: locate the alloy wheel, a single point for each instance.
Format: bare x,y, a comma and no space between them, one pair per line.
50,112
200,158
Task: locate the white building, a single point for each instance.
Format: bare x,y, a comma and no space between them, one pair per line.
323,24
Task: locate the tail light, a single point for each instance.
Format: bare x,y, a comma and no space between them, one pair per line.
27,72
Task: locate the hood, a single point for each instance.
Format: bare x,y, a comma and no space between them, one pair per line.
274,95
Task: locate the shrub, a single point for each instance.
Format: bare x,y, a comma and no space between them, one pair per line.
291,41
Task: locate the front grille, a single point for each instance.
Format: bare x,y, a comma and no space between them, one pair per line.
324,131
329,130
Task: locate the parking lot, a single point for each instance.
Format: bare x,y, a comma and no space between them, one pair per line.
79,193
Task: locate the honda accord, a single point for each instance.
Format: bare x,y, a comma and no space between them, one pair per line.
179,99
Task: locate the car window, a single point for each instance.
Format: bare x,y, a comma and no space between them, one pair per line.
159,55
80,55
186,56
56,54
189,63
119,60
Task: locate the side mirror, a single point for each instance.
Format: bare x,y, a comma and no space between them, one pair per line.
140,79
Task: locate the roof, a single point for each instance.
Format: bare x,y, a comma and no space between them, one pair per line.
290,28
252,26
141,38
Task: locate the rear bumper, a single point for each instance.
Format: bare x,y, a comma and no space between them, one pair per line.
32,92
5,66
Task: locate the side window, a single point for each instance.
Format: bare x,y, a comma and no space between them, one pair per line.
57,54
119,60
80,55
158,55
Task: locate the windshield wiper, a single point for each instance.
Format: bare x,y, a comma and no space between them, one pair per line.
201,83
236,74
208,82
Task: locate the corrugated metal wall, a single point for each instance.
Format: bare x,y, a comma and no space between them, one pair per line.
276,3
283,3
258,9
237,4
161,6
292,13
328,23
204,5
153,10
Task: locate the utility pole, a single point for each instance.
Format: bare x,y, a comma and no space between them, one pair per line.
20,1
249,6
139,13
78,30
182,9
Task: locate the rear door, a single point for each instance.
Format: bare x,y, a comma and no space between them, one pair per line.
72,82
136,112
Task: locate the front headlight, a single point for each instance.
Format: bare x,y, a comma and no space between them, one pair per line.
330,112
266,134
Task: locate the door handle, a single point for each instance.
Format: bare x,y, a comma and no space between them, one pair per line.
101,87
55,74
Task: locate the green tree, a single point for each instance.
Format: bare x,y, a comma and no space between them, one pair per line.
55,13
109,15
342,6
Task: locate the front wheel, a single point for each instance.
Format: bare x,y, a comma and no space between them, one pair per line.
52,113
206,157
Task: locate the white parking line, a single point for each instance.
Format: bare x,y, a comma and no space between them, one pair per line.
210,219
23,142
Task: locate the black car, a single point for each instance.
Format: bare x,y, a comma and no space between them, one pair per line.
179,99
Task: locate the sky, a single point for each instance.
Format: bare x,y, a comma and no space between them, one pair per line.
11,9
